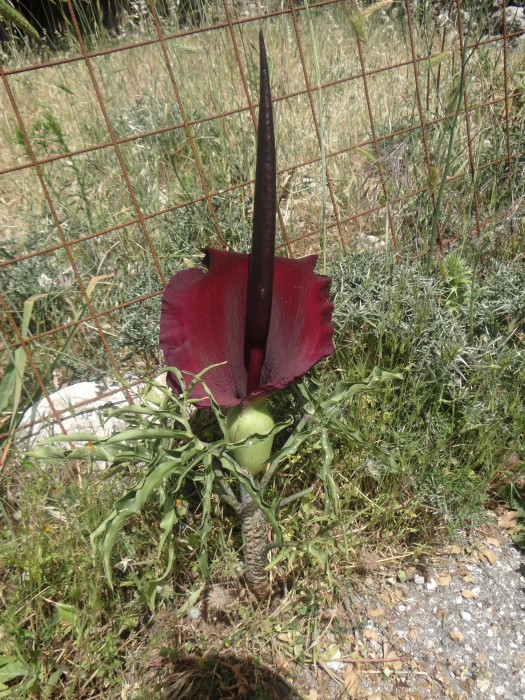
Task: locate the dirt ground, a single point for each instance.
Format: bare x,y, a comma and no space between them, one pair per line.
453,629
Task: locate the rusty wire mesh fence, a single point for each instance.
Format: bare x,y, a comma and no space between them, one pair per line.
399,126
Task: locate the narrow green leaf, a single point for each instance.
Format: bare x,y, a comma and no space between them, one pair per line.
74,437
231,466
355,436
331,500
190,602
131,504
148,434
346,390
205,525
12,382
256,437
167,523
48,452
11,668
436,59
286,552
290,447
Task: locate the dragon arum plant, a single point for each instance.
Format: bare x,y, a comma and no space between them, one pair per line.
231,336
267,320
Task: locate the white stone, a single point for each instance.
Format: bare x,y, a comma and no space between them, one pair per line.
86,418
334,664
515,19
465,616
483,684
82,408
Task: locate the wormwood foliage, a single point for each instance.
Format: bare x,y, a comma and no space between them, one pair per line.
160,437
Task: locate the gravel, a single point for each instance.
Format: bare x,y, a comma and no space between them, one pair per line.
454,628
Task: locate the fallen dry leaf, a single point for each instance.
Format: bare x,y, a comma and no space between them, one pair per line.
508,520
351,680
377,612
493,541
453,549
456,635
396,664
285,637
312,695
469,579
443,579
371,634
466,593
488,555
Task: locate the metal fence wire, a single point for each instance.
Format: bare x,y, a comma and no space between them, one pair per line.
398,124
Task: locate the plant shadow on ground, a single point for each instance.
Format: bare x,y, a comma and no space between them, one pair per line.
226,677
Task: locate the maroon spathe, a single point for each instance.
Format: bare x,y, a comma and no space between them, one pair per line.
203,323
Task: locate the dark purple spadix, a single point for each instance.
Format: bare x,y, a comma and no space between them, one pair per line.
260,275
267,319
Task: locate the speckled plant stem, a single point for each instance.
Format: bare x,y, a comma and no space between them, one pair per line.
255,546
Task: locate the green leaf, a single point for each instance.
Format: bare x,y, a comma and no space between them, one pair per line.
132,502
346,390
190,602
258,437
331,499
11,668
289,448
148,434
167,523
355,436
286,553
75,437
12,381
130,412
47,453
229,464
436,59
67,613
205,526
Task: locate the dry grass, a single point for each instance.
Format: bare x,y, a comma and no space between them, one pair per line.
138,95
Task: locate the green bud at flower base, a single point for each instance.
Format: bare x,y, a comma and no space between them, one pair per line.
244,421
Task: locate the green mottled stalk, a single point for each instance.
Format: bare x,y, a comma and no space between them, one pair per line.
243,422
253,527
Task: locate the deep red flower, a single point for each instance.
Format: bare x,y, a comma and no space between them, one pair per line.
203,323
268,318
